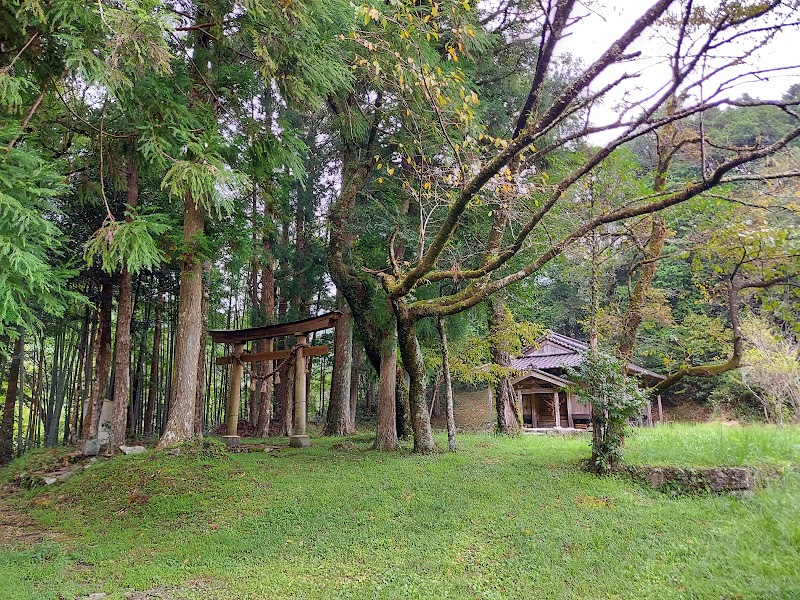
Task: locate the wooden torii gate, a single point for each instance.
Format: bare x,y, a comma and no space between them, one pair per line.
238,337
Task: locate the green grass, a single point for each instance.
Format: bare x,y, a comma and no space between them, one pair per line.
502,518
714,444
42,459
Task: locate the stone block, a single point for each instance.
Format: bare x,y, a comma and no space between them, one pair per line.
730,478
231,441
714,479
300,441
90,447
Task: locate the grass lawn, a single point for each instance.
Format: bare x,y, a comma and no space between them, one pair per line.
502,518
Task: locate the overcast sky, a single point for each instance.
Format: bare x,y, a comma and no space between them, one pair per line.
608,19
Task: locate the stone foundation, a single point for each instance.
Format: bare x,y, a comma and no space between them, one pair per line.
681,480
231,441
300,441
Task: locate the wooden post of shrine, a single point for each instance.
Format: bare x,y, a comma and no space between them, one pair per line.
231,437
557,407
570,421
660,410
299,439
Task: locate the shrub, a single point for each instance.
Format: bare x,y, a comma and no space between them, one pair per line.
772,370
615,397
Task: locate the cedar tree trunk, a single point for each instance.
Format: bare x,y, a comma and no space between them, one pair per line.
7,425
152,388
180,420
103,366
201,355
386,430
337,421
122,361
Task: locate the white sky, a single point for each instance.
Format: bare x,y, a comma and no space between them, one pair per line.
595,34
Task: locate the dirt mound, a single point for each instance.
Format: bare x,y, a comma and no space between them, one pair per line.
684,410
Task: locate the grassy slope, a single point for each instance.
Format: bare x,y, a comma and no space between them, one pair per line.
714,444
502,518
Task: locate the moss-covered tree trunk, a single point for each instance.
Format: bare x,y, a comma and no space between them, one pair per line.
633,316
7,424
509,420
668,142
412,361
386,430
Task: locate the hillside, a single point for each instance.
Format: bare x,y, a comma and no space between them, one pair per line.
502,518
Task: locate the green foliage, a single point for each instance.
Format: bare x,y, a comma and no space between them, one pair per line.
615,397
132,243
12,90
33,280
747,126
730,399
297,46
470,358
696,339
138,41
772,370
205,177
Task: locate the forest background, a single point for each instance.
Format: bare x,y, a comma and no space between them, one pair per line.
429,169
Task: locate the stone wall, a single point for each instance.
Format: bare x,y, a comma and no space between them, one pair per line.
677,479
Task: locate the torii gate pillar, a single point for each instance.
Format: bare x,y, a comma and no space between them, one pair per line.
231,437
299,438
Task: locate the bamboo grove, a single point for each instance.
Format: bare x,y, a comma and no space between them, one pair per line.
431,169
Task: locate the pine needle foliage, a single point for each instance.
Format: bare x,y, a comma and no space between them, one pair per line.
133,243
33,280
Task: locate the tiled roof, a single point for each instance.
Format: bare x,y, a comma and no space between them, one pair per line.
555,351
569,342
548,361
541,376
643,371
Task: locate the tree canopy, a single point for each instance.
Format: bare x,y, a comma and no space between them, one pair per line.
421,166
